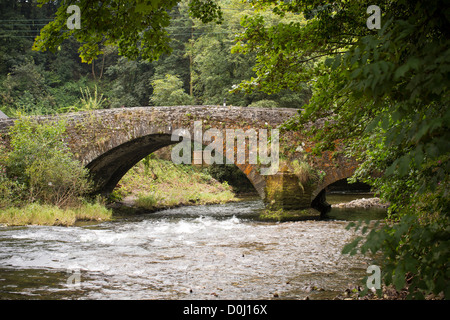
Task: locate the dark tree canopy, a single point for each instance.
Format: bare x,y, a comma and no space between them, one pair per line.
136,27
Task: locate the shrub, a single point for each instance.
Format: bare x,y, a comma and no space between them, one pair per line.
91,101
11,191
41,161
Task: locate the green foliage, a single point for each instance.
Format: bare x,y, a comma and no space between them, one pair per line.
137,28
36,83
206,10
11,190
415,253
91,101
25,89
218,68
127,83
169,92
41,161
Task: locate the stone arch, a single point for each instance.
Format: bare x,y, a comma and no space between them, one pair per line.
337,174
318,195
110,166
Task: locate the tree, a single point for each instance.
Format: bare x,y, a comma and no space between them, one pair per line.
169,92
385,96
41,161
137,27
217,70
178,62
129,82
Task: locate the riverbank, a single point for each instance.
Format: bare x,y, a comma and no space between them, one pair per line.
157,184
51,215
151,185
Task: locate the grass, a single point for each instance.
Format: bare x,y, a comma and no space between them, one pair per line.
42,214
157,183
303,171
146,201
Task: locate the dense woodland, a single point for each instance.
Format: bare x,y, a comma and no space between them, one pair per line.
200,70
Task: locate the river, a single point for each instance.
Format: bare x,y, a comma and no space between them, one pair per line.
198,252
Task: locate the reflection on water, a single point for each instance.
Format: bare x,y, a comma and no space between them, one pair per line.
201,252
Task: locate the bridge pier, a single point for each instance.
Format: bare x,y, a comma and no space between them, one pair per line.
283,191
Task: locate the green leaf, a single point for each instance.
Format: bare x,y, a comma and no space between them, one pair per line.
396,116
336,62
385,122
418,155
431,150
355,73
350,225
400,72
447,293
399,278
373,124
143,8
349,248
404,165
329,62
391,169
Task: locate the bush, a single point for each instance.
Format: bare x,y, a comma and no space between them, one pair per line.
41,161
11,191
415,243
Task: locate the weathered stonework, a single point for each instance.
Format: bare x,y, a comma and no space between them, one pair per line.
110,142
283,191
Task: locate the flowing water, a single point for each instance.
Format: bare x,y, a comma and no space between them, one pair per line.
199,252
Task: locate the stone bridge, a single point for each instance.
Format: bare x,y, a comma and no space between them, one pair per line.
110,142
